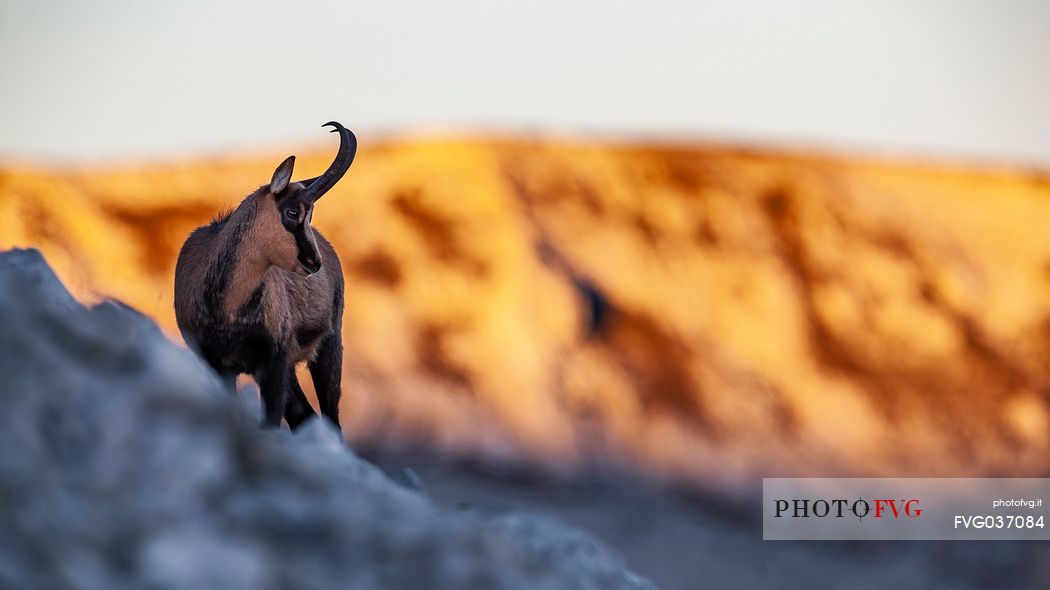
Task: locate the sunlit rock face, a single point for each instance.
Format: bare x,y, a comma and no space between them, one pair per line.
694,312
125,464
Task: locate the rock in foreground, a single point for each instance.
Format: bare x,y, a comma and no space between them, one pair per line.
123,464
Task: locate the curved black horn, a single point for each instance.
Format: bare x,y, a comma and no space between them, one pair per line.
317,187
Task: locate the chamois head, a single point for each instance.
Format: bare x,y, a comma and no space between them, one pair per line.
293,246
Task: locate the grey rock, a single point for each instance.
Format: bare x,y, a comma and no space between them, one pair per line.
124,464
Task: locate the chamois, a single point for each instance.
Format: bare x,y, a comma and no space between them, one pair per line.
259,291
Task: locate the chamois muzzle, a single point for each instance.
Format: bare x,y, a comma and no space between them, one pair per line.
309,265
317,187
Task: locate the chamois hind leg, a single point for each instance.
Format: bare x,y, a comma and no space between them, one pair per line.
326,369
298,409
273,388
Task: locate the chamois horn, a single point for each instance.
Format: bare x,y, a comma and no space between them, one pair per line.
318,186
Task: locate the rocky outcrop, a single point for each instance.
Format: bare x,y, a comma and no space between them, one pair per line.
123,464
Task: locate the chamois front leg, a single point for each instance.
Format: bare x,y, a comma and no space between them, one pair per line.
229,381
273,388
228,378
326,369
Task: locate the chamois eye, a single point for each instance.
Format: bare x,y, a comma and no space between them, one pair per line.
292,213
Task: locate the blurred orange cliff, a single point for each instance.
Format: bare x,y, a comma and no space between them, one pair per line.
696,312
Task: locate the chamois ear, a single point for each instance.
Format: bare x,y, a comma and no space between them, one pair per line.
282,176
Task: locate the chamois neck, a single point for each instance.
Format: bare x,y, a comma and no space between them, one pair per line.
245,251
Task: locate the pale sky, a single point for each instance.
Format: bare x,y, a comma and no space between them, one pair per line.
101,79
